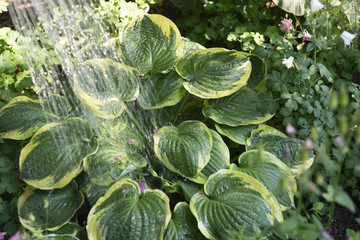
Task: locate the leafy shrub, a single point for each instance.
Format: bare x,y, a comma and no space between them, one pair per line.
148,152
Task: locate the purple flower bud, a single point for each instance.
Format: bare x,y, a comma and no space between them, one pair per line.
17,236
290,130
142,187
339,142
325,234
2,235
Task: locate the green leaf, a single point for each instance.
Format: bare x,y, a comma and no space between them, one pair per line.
234,200
182,225
103,85
295,7
55,153
271,172
3,6
189,188
50,210
186,149
237,134
59,237
257,77
214,72
324,72
288,150
162,90
127,213
244,107
107,164
151,43
22,117
219,157
190,46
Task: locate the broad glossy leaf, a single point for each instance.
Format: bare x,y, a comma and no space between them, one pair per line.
214,72
244,107
162,90
126,213
103,84
59,237
190,46
237,134
151,43
69,228
182,225
219,158
271,172
55,153
189,188
93,192
186,149
22,117
48,209
107,164
295,7
233,200
257,77
286,149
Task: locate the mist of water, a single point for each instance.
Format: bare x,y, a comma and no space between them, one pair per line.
64,34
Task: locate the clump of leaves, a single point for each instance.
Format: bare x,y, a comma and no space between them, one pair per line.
150,160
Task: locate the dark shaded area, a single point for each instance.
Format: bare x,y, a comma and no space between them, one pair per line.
342,220
5,20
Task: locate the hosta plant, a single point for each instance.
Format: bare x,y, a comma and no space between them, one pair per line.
147,152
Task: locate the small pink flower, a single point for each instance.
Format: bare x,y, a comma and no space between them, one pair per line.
17,236
307,36
287,25
290,130
2,235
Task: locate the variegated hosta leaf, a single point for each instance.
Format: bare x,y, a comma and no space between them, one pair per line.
237,134
257,77
219,158
59,237
214,72
162,90
55,153
286,149
271,172
295,7
107,164
241,108
69,228
22,117
103,84
151,43
127,213
93,192
188,188
186,149
190,46
48,209
234,200
182,225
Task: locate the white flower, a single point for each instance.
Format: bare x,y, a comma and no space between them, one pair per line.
347,37
316,5
288,62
